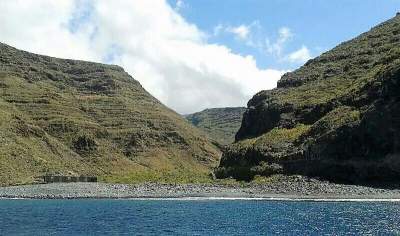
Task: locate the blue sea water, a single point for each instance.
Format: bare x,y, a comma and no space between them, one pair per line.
200,217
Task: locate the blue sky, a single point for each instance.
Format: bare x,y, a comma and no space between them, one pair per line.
317,24
192,54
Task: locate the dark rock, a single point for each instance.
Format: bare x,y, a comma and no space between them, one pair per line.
337,117
84,144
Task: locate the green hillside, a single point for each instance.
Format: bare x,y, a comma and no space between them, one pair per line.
221,124
75,117
337,117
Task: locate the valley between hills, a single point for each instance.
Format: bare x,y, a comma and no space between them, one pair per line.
337,119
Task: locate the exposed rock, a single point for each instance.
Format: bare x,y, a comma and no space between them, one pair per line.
84,144
337,117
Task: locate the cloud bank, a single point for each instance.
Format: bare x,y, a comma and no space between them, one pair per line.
169,56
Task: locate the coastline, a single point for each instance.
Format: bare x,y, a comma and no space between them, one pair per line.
282,198
294,188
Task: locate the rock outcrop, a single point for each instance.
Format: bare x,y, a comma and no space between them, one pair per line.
80,118
337,117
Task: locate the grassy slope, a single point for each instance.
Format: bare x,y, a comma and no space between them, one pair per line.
221,124
328,93
340,73
74,117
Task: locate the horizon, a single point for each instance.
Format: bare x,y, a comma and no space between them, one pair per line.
175,52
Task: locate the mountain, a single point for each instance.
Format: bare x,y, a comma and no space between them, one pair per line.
221,124
337,117
81,118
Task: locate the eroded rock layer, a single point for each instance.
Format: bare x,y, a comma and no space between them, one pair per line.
337,117
81,118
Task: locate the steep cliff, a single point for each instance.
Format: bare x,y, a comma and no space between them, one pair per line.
337,117
221,124
75,117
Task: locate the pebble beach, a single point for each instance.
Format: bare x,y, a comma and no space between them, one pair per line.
288,188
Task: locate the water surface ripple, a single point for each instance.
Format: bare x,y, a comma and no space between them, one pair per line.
201,217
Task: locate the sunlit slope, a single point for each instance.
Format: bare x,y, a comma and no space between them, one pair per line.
76,117
221,124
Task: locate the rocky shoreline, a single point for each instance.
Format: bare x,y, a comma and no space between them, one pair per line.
294,187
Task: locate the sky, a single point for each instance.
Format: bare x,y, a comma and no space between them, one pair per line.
191,54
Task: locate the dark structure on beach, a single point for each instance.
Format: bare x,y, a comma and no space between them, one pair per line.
68,179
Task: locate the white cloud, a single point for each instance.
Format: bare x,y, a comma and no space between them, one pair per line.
218,29
300,56
241,31
252,36
169,56
42,27
285,33
276,48
179,5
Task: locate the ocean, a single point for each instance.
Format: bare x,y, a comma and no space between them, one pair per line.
197,217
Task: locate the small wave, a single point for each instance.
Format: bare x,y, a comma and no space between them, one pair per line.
293,199
13,198
266,199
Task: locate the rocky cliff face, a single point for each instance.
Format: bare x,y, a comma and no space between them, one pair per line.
76,117
221,124
337,117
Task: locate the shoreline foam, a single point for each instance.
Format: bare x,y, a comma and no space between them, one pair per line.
287,199
299,191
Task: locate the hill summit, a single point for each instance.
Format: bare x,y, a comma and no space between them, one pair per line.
337,117
80,118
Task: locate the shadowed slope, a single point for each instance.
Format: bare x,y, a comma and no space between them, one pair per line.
336,117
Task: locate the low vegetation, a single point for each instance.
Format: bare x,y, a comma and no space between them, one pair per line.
336,117
221,124
73,117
